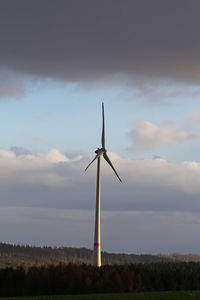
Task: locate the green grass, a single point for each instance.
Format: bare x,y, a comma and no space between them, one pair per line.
171,295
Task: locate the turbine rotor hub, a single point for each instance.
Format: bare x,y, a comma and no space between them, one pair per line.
97,151
103,150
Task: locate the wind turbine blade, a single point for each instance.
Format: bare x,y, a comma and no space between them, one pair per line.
99,154
103,128
109,162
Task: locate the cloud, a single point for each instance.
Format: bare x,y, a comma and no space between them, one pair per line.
22,167
11,85
122,231
148,136
52,180
157,91
20,151
193,118
54,156
46,226
89,40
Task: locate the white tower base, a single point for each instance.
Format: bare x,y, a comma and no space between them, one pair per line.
97,232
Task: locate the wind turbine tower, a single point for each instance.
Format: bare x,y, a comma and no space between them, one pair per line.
97,232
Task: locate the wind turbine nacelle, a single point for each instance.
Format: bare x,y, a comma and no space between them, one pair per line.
100,151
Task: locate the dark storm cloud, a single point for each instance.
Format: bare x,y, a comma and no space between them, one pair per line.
84,40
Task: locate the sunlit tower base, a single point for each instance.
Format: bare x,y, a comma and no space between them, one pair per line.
97,230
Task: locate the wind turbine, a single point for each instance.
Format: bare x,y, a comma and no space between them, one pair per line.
99,152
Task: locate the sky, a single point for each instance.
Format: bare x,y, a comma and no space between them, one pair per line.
59,60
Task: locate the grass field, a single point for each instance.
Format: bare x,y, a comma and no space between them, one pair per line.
171,295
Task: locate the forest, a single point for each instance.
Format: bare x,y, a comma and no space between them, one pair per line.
86,279
26,256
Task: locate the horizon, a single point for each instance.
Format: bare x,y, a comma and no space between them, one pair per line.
91,249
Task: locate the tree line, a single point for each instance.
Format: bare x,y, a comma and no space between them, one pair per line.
82,278
15,255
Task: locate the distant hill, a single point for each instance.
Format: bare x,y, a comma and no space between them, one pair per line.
15,255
